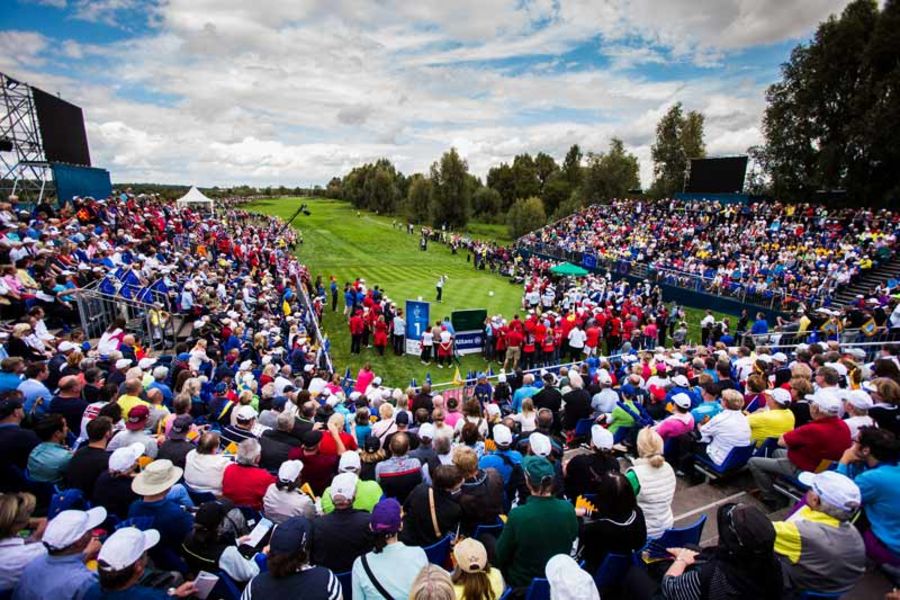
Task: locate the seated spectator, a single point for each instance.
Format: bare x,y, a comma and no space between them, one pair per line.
505,460
16,552
113,487
433,583
425,452
285,498
335,431
617,526
568,580
243,427
204,466
136,432
318,468
885,393
244,482
774,418
819,547
132,394
171,521
544,518
681,421
61,573
857,404
583,471
16,443
473,576
91,460
804,449
421,526
12,368
277,443
481,496
69,402
872,464
728,429
122,564
391,566
212,544
158,411
48,460
399,474
742,566
176,447
368,493
343,534
653,483
710,405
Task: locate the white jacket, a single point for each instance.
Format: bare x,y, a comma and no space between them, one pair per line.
203,472
655,496
725,431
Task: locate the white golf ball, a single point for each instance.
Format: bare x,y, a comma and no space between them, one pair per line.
491,293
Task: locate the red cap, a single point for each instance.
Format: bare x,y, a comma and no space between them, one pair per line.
137,417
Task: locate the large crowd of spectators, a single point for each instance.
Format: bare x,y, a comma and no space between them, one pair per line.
132,473
797,253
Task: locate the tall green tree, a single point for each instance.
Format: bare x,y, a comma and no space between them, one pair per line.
679,137
501,179
525,174
416,207
572,166
526,214
451,191
546,167
486,203
610,175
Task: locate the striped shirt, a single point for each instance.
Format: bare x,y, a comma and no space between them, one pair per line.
309,583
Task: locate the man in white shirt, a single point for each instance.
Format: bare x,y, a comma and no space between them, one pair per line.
284,379
728,429
857,404
706,325
399,333
576,338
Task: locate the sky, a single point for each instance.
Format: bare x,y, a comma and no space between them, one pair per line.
293,92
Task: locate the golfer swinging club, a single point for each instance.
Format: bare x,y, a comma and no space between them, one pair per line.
440,287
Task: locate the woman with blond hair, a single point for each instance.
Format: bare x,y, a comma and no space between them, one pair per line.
385,425
17,344
653,482
433,583
885,393
16,551
474,578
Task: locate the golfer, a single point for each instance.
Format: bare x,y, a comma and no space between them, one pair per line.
440,287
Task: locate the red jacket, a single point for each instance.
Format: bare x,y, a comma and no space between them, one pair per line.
246,486
357,326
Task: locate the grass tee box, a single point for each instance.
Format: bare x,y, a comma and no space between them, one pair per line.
345,243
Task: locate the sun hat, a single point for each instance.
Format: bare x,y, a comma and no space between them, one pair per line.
124,547
601,438
123,459
386,516
137,417
69,526
156,478
470,555
290,470
835,489
291,536
344,485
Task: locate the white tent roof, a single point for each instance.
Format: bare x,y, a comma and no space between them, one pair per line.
194,196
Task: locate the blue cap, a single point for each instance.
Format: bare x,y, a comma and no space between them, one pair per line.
291,537
221,387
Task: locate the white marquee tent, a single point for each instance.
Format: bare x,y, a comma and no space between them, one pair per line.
196,200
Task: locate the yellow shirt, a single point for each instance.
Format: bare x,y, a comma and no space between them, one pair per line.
128,402
496,584
770,423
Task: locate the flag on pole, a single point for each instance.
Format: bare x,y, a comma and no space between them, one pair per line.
428,378
457,378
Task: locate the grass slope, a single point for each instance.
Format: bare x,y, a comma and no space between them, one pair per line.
341,242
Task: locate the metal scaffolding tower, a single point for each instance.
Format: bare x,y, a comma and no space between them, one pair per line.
24,170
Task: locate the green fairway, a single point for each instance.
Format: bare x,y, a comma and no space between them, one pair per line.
338,241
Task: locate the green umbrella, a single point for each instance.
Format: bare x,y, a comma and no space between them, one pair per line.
568,269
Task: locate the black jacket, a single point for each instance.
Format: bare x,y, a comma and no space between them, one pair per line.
481,499
418,528
339,537
578,406
275,448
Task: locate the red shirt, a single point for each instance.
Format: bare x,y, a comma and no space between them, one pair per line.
823,439
514,338
318,469
329,446
246,486
593,336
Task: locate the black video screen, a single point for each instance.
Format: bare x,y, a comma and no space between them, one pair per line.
62,129
717,175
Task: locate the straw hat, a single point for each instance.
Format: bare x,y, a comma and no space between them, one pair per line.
156,478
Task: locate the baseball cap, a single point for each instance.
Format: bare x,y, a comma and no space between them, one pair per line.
780,357
125,546
502,435
69,526
66,346
601,437
245,412
349,463
501,378
291,537
124,458
386,516
681,381
426,430
146,363
312,438
470,555
781,396
290,470
537,468
137,417
827,400
568,581
123,363
540,444
160,372
835,489
344,485
181,426
681,399
860,399
402,418
376,382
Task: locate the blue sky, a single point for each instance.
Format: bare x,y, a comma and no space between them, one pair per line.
293,92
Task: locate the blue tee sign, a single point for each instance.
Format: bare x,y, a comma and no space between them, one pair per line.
418,319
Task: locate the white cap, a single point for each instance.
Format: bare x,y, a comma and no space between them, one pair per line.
870,387
858,353
246,365
833,488
502,435
827,399
160,372
780,357
568,581
501,378
781,396
601,438
123,363
604,378
376,382
492,409
344,484
839,367
290,470
540,444
69,526
426,430
146,363
682,400
245,412
349,462
124,458
860,399
354,396
681,381
125,546
66,346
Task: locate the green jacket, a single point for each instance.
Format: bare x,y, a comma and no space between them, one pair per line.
368,493
534,533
